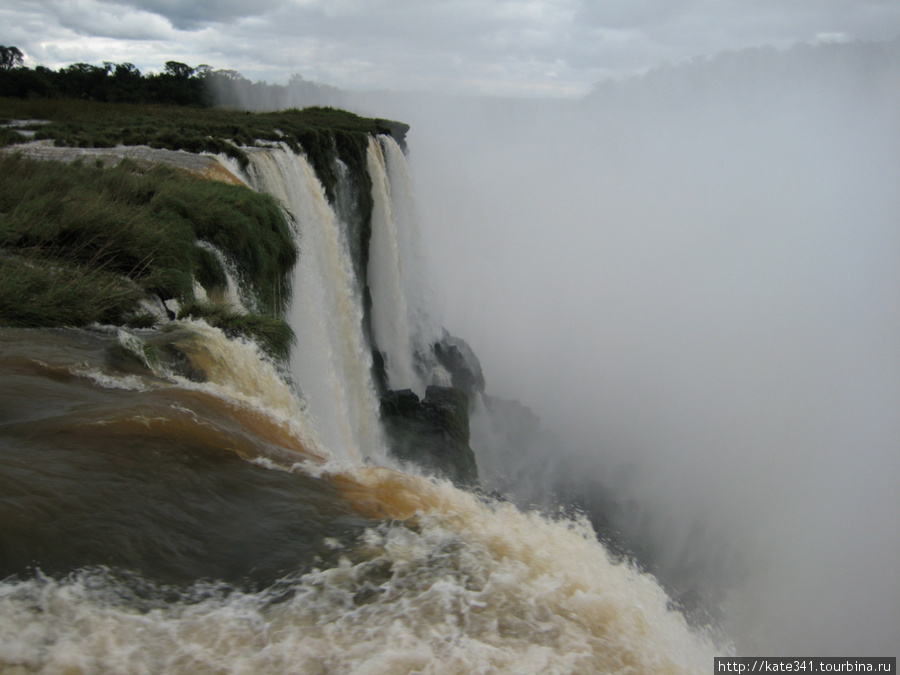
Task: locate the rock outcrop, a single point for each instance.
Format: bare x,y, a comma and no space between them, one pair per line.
433,432
457,358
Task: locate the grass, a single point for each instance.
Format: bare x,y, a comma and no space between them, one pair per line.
36,292
122,234
85,244
73,121
322,134
318,132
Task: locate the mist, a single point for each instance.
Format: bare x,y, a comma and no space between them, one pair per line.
693,278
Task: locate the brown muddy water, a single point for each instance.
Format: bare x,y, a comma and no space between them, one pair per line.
166,507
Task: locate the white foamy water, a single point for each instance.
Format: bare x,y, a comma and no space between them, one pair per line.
333,364
238,371
231,294
124,382
446,583
470,588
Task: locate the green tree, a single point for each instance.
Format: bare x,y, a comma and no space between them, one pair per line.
178,69
10,57
127,84
83,80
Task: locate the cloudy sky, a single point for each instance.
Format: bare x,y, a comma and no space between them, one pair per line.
507,47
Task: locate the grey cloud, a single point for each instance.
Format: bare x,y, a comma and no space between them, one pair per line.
111,20
191,16
540,47
633,14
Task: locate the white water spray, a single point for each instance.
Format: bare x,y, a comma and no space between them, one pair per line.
401,322
416,287
231,295
390,318
473,588
332,362
468,586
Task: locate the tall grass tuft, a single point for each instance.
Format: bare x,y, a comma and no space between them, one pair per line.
40,293
85,243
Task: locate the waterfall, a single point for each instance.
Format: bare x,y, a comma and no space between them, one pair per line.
390,321
332,362
423,331
400,321
184,456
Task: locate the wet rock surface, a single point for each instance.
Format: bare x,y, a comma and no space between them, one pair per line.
433,432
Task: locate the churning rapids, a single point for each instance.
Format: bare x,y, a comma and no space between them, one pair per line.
252,522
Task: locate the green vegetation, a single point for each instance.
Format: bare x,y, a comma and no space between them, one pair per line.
131,347
178,84
84,243
42,292
321,133
10,57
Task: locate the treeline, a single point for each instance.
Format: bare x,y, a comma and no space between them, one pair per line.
178,84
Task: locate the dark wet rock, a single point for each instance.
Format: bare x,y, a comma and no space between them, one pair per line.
457,358
433,432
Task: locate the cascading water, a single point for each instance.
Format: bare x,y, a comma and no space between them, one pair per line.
231,295
387,278
332,364
416,286
334,567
